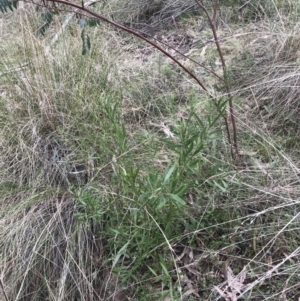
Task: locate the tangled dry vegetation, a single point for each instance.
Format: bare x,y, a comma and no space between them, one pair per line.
115,182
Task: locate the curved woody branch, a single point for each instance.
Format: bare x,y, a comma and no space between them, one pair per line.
80,8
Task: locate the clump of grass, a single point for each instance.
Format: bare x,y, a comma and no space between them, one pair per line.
53,119
160,213
66,111
269,80
152,16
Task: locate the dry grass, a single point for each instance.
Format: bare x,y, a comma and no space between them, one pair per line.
49,254
268,80
112,233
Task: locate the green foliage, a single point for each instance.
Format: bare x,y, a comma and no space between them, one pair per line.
5,4
46,18
91,206
137,227
149,208
152,206
86,44
194,135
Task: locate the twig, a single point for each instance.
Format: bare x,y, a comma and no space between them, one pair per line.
15,69
244,5
212,21
2,287
131,31
174,21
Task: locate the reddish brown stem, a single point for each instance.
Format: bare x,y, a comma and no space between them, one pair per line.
212,21
131,31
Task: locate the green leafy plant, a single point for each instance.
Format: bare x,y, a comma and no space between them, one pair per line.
162,213
5,4
46,18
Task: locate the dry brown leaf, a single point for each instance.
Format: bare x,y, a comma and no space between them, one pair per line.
193,271
235,285
190,292
236,282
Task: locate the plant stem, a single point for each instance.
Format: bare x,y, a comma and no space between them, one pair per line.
212,21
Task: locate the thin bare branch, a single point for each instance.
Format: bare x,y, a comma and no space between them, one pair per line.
212,21
133,32
216,5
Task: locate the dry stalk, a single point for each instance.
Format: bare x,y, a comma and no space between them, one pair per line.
212,21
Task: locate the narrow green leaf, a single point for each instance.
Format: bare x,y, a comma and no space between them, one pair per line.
198,150
152,271
93,22
145,195
181,190
161,204
10,5
165,270
119,254
176,198
225,184
86,44
199,120
3,6
219,186
168,174
189,147
47,18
